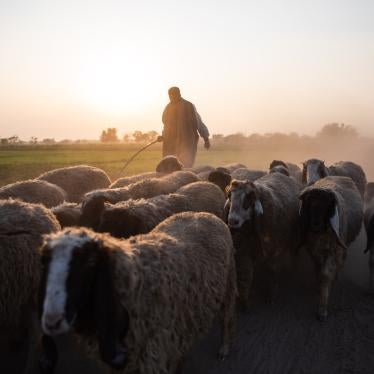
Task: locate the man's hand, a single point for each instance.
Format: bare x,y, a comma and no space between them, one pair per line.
206,144
160,138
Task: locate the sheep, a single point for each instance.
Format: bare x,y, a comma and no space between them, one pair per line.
263,218
140,304
369,227
135,217
34,191
369,192
167,165
125,181
234,166
331,213
204,176
280,169
200,169
22,226
77,180
220,178
247,174
93,202
286,168
67,214
314,170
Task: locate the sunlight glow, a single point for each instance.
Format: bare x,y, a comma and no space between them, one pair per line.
117,85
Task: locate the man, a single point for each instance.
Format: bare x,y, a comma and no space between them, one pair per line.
182,127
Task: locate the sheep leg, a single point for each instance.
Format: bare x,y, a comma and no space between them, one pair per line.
273,281
326,276
33,335
228,318
371,269
244,266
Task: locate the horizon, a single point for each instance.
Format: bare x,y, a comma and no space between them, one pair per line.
70,71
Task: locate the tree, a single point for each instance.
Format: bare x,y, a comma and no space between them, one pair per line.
126,138
13,139
140,137
109,135
336,130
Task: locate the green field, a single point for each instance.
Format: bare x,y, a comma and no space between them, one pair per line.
26,162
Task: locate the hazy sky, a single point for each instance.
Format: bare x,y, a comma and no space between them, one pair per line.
71,68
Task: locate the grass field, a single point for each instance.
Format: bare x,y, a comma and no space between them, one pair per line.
24,162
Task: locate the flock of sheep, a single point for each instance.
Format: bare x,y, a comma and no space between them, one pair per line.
140,268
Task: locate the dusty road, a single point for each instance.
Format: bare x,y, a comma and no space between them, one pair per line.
284,337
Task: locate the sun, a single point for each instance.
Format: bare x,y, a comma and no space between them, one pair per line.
118,86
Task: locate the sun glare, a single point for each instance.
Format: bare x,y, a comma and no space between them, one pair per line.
117,86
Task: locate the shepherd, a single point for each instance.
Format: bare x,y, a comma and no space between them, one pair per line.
182,127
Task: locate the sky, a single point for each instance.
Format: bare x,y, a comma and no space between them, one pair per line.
69,69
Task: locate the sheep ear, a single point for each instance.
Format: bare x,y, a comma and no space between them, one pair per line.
226,210
111,327
335,224
258,208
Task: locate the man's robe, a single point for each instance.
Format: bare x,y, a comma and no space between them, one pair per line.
180,131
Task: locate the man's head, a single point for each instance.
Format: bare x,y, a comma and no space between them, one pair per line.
174,94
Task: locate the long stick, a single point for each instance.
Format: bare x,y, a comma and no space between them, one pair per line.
159,139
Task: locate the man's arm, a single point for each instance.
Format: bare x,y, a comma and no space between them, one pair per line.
202,129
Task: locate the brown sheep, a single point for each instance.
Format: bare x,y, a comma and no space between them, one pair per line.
141,303
94,201
263,217
77,180
22,226
134,217
34,191
331,213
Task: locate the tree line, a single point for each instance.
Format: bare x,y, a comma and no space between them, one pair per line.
332,131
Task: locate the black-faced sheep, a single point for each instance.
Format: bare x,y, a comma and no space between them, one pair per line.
331,217
314,170
167,165
263,217
34,191
286,168
140,304
22,226
221,178
204,176
67,214
280,169
94,201
243,174
135,217
77,180
369,226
